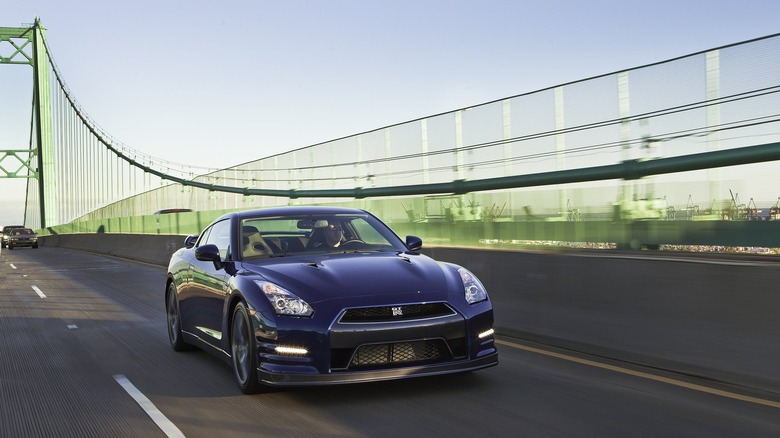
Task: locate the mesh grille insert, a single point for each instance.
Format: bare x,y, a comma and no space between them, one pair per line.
401,353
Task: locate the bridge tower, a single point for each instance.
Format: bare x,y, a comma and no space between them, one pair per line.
25,46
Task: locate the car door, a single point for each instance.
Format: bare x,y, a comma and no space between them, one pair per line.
208,288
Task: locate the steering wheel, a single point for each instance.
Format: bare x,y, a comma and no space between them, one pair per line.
351,243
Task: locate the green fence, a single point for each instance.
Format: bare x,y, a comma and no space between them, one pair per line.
644,156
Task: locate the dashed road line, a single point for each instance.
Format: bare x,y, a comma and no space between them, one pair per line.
151,410
38,291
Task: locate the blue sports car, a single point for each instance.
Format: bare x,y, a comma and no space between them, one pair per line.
323,295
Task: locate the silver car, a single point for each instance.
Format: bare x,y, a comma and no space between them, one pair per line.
22,237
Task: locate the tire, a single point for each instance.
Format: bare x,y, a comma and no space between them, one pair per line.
35,246
174,320
243,350
10,247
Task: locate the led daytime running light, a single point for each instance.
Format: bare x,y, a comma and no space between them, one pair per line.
293,351
486,334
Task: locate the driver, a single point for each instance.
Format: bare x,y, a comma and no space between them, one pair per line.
333,235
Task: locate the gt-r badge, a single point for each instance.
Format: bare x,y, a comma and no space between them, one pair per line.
397,311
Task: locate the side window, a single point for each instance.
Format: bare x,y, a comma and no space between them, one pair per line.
219,235
203,237
367,233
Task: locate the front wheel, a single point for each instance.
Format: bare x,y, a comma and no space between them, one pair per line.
174,320
243,348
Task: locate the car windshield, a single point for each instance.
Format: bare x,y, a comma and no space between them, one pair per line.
293,235
22,232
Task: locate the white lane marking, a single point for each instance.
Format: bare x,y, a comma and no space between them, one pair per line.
72,326
38,291
162,421
12,266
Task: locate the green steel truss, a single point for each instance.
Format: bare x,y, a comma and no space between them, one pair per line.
16,47
25,46
18,163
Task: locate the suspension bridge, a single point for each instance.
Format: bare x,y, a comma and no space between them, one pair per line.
676,152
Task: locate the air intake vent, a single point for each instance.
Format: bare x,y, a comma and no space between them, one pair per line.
401,353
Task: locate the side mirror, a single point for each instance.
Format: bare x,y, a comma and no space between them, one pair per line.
414,243
209,253
189,241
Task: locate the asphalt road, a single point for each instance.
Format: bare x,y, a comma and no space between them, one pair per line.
84,353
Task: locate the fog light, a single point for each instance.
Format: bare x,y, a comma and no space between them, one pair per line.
486,334
291,351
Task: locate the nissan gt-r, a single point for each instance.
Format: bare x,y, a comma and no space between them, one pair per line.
297,296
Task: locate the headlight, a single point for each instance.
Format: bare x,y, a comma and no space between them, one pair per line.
475,292
285,302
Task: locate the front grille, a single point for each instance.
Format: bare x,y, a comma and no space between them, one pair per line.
400,353
396,313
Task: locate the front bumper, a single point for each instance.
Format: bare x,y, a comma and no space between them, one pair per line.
21,242
271,378
352,352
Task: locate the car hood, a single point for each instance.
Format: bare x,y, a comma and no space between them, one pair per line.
392,276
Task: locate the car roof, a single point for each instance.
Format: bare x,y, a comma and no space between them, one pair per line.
295,210
283,211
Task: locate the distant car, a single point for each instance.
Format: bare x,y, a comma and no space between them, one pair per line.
22,237
7,231
321,295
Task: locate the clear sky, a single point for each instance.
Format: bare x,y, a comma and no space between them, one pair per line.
217,83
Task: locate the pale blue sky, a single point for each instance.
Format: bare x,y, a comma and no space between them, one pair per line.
219,83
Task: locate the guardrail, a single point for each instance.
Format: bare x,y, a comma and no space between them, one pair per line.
492,234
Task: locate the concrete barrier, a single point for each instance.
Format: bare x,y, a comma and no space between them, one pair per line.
148,248
715,319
